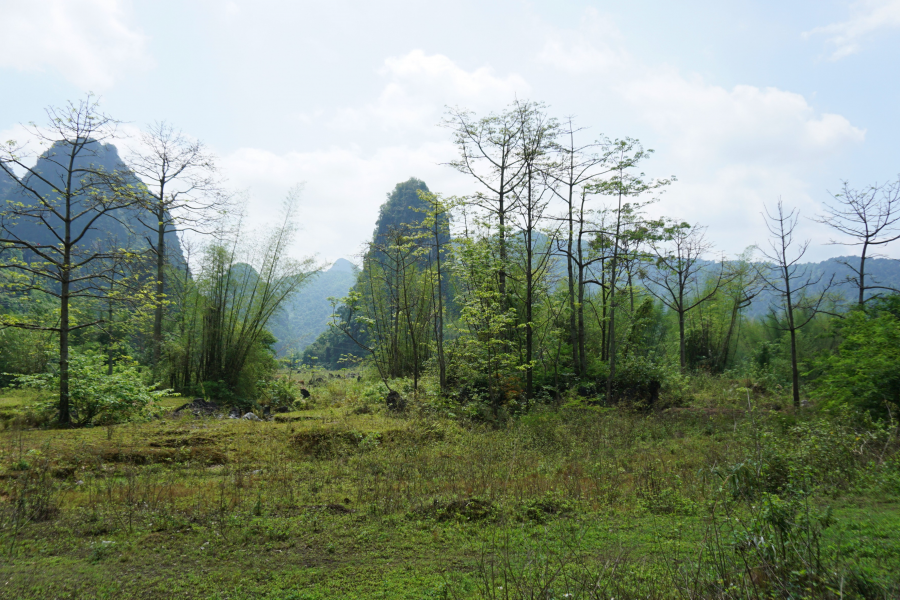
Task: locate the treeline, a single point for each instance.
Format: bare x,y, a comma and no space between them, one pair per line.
551,281
552,277
96,278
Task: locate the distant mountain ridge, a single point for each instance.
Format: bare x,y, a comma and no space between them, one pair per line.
305,316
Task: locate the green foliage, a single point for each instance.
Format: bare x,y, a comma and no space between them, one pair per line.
403,207
304,317
97,398
278,393
775,549
222,329
864,372
24,352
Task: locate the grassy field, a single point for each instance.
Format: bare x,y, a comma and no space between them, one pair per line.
728,497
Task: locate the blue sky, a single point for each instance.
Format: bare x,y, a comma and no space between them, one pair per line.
744,102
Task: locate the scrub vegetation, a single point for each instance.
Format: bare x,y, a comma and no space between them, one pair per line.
542,389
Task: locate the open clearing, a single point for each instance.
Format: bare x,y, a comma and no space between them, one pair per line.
346,500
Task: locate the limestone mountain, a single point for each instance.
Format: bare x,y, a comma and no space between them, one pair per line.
120,228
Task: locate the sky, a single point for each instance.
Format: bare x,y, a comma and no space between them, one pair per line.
743,101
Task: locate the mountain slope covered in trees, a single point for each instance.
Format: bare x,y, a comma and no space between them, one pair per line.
305,315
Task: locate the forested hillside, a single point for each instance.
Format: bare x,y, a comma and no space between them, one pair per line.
305,316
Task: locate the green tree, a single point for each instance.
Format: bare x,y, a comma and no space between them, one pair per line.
62,198
623,184
238,289
575,166
489,152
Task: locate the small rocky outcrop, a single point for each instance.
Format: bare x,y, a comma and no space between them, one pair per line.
199,407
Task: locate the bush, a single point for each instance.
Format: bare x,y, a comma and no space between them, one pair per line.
95,397
863,374
638,381
278,393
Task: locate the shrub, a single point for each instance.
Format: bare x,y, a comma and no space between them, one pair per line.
96,397
278,393
863,374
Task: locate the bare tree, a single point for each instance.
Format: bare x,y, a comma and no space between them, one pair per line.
790,280
870,217
676,278
54,219
532,198
182,192
488,152
576,166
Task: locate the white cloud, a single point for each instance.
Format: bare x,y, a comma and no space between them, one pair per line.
746,124
595,46
232,10
420,85
866,18
736,150
89,42
344,187
733,150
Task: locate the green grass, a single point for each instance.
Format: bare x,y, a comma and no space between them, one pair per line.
345,500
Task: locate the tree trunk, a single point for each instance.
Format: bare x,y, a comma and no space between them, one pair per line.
862,275
439,334
160,286
581,335
65,418
573,330
612,304
681,353
529,295
501,215
722,360
109,341
795,370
